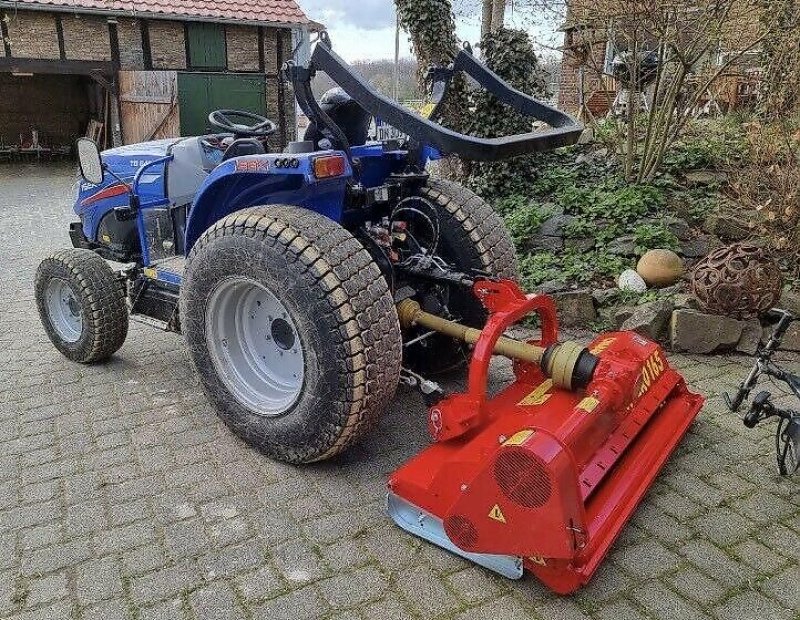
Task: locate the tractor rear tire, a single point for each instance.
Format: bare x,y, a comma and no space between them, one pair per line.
82,306
315,358
473,238
473,234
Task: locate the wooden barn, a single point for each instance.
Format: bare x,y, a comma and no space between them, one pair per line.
125,71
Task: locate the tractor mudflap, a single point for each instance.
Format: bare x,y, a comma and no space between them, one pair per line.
541,475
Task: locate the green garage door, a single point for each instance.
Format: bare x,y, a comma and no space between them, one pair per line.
200,94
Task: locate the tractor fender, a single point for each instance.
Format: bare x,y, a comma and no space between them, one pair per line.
252,181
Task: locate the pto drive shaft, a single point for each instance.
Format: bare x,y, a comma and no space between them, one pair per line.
568,364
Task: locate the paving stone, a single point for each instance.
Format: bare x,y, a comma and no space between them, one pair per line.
561,609
168,610
751,606
164,583
619,610
662,602
506,607
356,588
56,557
784,588
425,593
723,526
299,562
232,560
695,585
262,584
474,585
46,589
646,559
186,538
759,556
304,604
109,610
98,580
143,560
714,561
215,602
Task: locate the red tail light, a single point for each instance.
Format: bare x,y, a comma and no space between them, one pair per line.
329,166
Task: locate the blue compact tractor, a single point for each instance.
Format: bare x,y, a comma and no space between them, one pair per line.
283,270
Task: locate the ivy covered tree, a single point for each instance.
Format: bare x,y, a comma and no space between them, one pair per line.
510,54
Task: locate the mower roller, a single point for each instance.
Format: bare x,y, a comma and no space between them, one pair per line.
309,282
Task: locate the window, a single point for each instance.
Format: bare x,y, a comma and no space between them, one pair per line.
206,46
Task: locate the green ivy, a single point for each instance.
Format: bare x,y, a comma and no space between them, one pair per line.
654,236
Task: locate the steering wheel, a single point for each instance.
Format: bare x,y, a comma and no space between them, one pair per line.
222,119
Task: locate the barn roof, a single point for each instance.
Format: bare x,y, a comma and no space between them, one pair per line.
254,11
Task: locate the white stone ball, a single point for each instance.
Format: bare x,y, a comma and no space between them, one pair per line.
629,280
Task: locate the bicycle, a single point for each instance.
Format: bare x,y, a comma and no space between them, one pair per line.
787,434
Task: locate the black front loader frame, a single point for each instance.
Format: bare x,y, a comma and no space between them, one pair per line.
564,130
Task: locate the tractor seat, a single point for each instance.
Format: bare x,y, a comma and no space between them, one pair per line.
243,146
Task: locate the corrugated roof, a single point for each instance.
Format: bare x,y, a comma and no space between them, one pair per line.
268,11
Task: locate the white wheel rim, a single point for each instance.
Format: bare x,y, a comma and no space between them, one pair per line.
64,310
255,346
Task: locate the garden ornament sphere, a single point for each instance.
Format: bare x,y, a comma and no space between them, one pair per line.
660,268
740,281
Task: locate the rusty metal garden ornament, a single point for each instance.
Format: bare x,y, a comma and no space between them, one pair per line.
740,280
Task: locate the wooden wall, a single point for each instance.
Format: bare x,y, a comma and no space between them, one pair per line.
149,105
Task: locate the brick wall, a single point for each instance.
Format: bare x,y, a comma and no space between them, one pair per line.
32,34
129,33
86,37
242,44
167,44
56,105
575,55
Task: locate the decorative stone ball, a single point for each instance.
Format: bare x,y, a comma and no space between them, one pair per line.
629,280
740,281
660,268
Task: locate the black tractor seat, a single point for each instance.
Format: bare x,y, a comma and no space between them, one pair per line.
244,146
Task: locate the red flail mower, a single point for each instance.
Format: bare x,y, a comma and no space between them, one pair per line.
544,475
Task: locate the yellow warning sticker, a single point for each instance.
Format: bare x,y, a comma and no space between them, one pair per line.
602,346
151,273
496,514
539,396
588,404
427,110
518,438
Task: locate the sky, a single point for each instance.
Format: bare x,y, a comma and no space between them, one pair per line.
365,29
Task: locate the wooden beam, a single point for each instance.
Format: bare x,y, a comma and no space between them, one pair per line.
4,33
63,67
147,52
262,65
62,50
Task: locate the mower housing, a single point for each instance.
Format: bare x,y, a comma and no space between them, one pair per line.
544,478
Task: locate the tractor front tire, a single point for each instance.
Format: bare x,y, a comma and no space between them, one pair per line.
292,330
81,303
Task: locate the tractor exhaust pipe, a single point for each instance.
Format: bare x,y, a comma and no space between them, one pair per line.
568,364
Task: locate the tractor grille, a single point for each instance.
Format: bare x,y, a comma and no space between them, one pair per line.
461,531
523,478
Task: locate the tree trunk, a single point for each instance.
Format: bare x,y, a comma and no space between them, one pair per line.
498,14
486,17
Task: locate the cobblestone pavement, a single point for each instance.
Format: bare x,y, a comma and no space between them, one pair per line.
123,496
